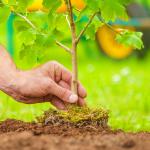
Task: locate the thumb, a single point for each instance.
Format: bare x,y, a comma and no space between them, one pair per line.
63,93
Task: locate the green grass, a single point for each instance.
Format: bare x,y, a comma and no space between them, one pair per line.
123,87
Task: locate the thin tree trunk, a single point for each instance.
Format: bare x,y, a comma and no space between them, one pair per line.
74,48
74,70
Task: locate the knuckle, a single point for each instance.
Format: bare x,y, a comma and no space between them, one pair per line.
53,62
63,94
57,73
50,86
50,63
50,83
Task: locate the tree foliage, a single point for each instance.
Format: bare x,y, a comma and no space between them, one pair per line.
40,29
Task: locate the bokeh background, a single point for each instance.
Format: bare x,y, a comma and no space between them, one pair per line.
121,86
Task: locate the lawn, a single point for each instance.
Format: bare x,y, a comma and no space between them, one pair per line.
122,87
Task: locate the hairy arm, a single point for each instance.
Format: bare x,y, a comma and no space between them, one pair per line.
50,82
8,70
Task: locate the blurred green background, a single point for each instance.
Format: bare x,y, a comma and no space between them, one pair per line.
121,86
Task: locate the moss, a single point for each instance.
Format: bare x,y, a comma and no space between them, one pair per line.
75,116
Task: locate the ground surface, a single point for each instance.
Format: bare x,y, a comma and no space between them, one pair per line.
16,135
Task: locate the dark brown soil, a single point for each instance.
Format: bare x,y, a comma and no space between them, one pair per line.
17,135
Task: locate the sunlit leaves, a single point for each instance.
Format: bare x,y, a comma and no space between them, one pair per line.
51,5
94,5
27,37
11,2
92,29
111,10
130,39
4,13
125,2
21,5
50,25
45,41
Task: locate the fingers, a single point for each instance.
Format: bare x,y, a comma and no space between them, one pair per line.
59,72
63,93
67,77
81,91
81,102
58,103
33,100
64,85
63,74
53,100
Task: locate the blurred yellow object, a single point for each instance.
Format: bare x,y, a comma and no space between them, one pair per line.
108,44
37,5
78,4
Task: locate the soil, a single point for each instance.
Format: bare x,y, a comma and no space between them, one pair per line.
18,135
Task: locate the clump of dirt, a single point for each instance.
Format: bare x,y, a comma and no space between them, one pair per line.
75,121
63,129
76,116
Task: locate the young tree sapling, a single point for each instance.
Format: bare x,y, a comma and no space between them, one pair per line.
39,27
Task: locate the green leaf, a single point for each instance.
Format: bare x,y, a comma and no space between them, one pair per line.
111,10
27,37
28,54
90,32
52,20
20,24
52,5
4,13
11,2
94,5
45,41
85,13
1,3
97,23
125,2
130,39
22,5
40,20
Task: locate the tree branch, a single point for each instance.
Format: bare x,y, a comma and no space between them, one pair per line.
27,20
108,25
85,28
68,21
67,49
72,23
35,28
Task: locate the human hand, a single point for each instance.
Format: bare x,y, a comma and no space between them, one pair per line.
50,82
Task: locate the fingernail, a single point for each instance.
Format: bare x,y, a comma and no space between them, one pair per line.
73,98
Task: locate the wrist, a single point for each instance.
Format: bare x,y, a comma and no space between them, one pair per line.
8,80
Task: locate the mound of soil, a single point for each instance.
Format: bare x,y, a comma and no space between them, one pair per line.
18,135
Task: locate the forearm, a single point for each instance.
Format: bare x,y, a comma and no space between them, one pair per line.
8,69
